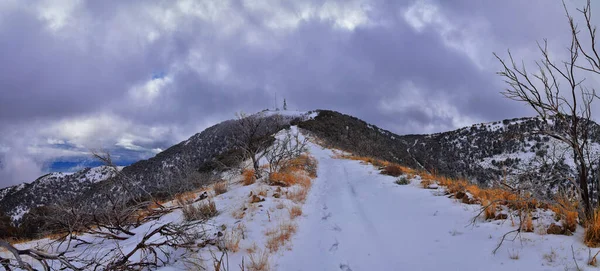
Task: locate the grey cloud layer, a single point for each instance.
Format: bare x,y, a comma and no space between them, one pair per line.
90,67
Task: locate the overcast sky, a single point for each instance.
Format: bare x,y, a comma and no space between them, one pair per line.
143,75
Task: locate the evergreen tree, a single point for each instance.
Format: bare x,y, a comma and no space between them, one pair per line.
284,105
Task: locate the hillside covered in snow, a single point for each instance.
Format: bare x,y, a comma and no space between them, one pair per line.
326,209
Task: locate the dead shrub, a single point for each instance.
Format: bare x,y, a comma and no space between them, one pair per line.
280,236
248,177
259,261
220,187
295,211
203,210
392,170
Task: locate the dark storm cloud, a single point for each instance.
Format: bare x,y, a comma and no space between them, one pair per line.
88,76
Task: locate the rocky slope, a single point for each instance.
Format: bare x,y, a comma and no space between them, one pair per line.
50,188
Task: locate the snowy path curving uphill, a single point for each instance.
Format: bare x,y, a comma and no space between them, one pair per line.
356,219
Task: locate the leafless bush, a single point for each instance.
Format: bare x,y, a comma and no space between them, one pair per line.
153,249
253,136
285,149
220,187
202,211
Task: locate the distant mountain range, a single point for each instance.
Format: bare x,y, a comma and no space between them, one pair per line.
484,153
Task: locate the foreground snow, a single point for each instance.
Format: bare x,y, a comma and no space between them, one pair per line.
357,219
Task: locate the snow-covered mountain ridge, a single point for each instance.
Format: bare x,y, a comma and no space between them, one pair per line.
483,152
352,218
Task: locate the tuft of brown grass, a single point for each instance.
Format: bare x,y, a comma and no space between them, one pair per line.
238,214
426,182
259,261
376,162
185,198
204,210
289,178
248,177
527,225
252,249
280,236
295,211
514,255
302,162
280,206
232,240
392,170
591,237
298,195
262,192
490,210
566,211
220,187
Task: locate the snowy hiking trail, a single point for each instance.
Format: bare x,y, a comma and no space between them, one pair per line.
356,219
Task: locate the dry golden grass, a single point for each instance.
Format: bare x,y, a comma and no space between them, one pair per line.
490,210
220,187
295,211
302,162
591,236
289,178
49,236
426,182
566,210
280,206
527,225
259,261
298,195
392,170
279,236
248,177
185,198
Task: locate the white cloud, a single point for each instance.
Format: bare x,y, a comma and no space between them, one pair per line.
461,34
57,13
411,97
148,92
17,168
